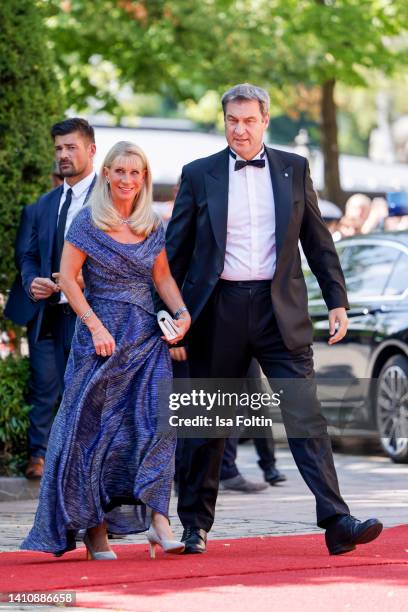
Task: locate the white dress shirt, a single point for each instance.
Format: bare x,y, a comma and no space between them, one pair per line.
79,192
251,247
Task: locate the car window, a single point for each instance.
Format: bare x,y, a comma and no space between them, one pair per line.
367,268
398,281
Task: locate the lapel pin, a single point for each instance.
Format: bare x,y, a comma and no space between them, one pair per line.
286,174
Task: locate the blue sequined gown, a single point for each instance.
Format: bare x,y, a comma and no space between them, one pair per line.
105,458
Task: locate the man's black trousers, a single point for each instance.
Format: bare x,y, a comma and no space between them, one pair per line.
59,321
44,389
237,324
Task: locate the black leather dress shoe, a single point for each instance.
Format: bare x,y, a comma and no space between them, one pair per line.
346,532
195,540
273,476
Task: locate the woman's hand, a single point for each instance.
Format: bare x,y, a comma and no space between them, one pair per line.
103,342
170,294
183,325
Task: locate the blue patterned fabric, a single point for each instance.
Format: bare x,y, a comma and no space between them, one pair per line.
104,449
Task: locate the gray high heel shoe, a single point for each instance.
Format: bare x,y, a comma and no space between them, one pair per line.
169,546
91,554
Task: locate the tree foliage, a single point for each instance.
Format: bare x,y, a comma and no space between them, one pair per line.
29,103
184,49
187,48
14,373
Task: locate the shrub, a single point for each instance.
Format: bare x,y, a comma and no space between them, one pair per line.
29,103
14,373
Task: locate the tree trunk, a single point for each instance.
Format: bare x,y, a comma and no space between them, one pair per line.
332,188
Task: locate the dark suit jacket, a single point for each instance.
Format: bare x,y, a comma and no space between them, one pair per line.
20,308
196,240
37,259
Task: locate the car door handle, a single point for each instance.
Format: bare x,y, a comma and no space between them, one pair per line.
382,308
358,312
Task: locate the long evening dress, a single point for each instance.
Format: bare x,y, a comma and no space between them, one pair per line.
106,459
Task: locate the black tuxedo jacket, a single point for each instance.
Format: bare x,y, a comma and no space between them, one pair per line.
19,307
196,240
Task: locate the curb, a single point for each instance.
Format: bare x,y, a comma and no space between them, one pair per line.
18,488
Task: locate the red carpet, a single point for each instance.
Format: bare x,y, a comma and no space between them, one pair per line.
243,573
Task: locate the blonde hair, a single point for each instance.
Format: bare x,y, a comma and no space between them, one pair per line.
143,219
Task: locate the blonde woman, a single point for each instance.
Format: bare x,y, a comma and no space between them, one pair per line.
106,465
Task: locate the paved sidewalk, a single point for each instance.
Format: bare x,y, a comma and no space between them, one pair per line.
372,486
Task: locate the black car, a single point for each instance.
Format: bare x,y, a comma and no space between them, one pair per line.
363,380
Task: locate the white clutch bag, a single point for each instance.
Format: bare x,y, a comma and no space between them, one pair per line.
167,325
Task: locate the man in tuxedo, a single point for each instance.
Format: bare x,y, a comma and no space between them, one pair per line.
232,245
43,383
74,143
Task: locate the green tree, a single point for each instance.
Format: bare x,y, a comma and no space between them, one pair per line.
185,48
344,41
30,101
14,411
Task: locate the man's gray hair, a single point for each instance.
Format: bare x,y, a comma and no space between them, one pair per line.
246,91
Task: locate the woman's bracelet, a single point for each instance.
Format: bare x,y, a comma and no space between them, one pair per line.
86,315
179,312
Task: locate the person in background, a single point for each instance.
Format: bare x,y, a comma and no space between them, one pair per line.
362,216
356,211
74,143
396,223
375,220
231,478
331,215
43,384
397,207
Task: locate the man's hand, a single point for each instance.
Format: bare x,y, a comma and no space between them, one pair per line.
56,277
337,321
43,288
178,353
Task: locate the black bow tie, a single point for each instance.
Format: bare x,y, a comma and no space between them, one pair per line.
241,163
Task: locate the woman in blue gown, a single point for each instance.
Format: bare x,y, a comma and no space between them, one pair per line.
107,467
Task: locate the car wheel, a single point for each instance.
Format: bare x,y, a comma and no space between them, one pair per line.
392,408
